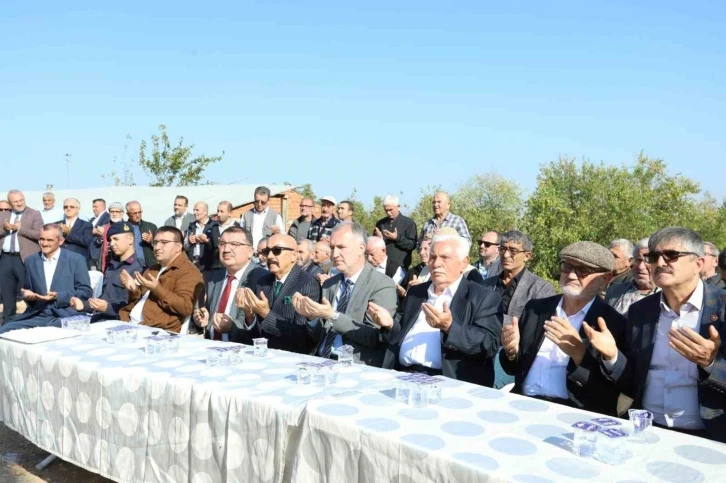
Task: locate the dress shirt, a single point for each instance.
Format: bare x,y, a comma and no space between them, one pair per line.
69,223
422,344
136,316
230,302
198,230
548,374
96,219
338,341
451,220
397,277
15,217
258,225
178,220
222,227
49,266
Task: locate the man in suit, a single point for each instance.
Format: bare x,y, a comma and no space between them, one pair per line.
165,294
100,219
710,273
489,263
547,349
398,231
100,215
516,285
261,220
305,249
301,225
342,316
181,219
622,295
53,278
447,326
239,271
78,233
143,233
19,233
267,305
378,257
199,242
672,362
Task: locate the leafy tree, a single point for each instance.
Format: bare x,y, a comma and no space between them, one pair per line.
306,190
173,165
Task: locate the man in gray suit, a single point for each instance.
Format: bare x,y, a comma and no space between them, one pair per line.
181,219
516,285
235,254
342,316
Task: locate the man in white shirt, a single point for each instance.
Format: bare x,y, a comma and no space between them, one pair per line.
198,239
672,363
224,217
547,351
447,326
261,220
181,218
378,257
50,213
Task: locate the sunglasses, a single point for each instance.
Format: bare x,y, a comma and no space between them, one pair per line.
65,207
486,243
4,209
668,255
580,270
277,251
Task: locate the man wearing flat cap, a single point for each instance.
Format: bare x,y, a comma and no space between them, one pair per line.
547,350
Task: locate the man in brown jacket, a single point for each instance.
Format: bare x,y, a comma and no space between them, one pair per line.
164,295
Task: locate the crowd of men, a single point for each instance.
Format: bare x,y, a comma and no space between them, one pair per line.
643,320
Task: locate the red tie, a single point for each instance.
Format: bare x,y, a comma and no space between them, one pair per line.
223,303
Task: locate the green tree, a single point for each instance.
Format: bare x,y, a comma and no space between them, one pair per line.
306,190
173,165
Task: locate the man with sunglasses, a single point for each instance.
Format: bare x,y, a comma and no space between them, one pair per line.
672,362
301,225
261,220
78,233
489,264
622,295
4,206
547,350
267,305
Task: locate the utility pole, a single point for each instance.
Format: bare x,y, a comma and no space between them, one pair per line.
68,170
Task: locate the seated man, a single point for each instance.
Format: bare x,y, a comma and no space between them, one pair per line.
267,305
235,255
52,278
448,326
621,296
547,350
378,257
672,362
114,295
165,294
342,316
305,249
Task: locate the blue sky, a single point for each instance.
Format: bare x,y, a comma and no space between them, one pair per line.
378,96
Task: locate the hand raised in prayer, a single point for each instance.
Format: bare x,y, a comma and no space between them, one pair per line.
128,281
602,340
65,229
147,281
377,232
275,229
222,323
259,305
414,281
192,239
201,317
438,319
99,305
147,237
563,334
693,347
202,238
309,308
322,277
380,316
76,303
390,235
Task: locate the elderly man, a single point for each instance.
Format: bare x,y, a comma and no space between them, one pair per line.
443,217
449,325
181,219
100,246
50,213
19,234
144,232
321,228
622,295
5,206
710,273
199,241
53,278
321,257
261,220
342,316
377,256
239,271
224,218
260,253
672,362
489,264
622,250
268,307
547,349
301,225
78,233
345,211
305,249
419,273
398,231
165,294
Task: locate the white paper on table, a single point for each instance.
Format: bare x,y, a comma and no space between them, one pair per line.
38,335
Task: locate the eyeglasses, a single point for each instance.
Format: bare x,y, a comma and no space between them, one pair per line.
638,260
162,242
305,206
134,212
260,202
580,270
668,255
514,251
223,244
65,207
711,255
277,251
486,243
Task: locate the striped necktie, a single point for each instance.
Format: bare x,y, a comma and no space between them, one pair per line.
340,307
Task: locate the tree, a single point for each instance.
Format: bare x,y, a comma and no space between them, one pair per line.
173,165
306,190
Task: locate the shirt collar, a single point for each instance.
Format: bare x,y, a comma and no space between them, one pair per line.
181,216
261,212
384,263
450,290
354,278
54,258
238,274
561,313
695,301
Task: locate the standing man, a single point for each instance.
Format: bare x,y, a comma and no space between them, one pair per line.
198,240
19,234
100,219
261,220
181,218
143,234
622,250
50,213
443,218
301,225
710,273
398,231
100,243
224,215
489,264
100,215
346,211
322,227
78,233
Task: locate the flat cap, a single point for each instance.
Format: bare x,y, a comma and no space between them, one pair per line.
119,227
590,254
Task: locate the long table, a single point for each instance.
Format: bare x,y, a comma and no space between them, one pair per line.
131,417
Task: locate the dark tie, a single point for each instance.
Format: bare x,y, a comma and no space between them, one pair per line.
223,303
340,308
276,290
13,237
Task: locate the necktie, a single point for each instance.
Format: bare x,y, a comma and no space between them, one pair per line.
222,305
340,308
13,237
276,290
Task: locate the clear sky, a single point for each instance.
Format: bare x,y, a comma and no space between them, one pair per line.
382,96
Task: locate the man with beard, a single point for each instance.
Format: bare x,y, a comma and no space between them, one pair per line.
547,351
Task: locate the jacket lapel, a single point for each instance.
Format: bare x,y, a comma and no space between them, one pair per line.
710,310
520,293
596,310
40,275
359,287
538,334
59,268
288,288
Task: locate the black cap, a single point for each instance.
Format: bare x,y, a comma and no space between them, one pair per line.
119,227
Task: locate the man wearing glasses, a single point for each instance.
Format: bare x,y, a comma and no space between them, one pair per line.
78,233
710,273
672,362
547,349
321,228
489,264
622,295
143,233
4,206
301,225
261,220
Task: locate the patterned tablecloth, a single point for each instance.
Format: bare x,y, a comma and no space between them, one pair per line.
132,417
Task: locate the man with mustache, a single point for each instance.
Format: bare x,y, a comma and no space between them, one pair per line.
547,350
622,295
672,362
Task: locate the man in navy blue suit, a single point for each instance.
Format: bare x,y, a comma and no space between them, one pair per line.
78,233
53,277
100,219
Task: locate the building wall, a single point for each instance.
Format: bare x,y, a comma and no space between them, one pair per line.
290,199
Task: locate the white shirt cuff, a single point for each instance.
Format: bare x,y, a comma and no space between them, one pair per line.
610,365
709,368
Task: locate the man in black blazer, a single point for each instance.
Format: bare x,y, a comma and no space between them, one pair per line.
547,351
447,326
398,231
78,233
143,232
672,362
268,307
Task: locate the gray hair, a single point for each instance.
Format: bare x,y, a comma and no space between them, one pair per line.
262,191
714,249
623,243
691,241
15,192
54,227
355,228
72,199
48,194
376,241
309,244
642,243
264,240
204,204
462,246
517,236
391,200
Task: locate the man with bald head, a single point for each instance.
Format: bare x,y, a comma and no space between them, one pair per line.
143,234
267,305
78,233
377,255
301,225
443,217
198,240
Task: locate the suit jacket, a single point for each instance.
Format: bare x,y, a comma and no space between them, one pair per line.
399,249
28,234
587,387
70,279
94,249
355,325
391,268
469,348
149,257
104,219
209,251
473,275
529,287
172,301
187,220
313,269
283,327
633,363
80,238
214,287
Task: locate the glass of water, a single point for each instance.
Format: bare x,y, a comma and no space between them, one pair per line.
345,355
403,391
640,421
433,392
584,441
260,347
303,374
332,373
419,395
